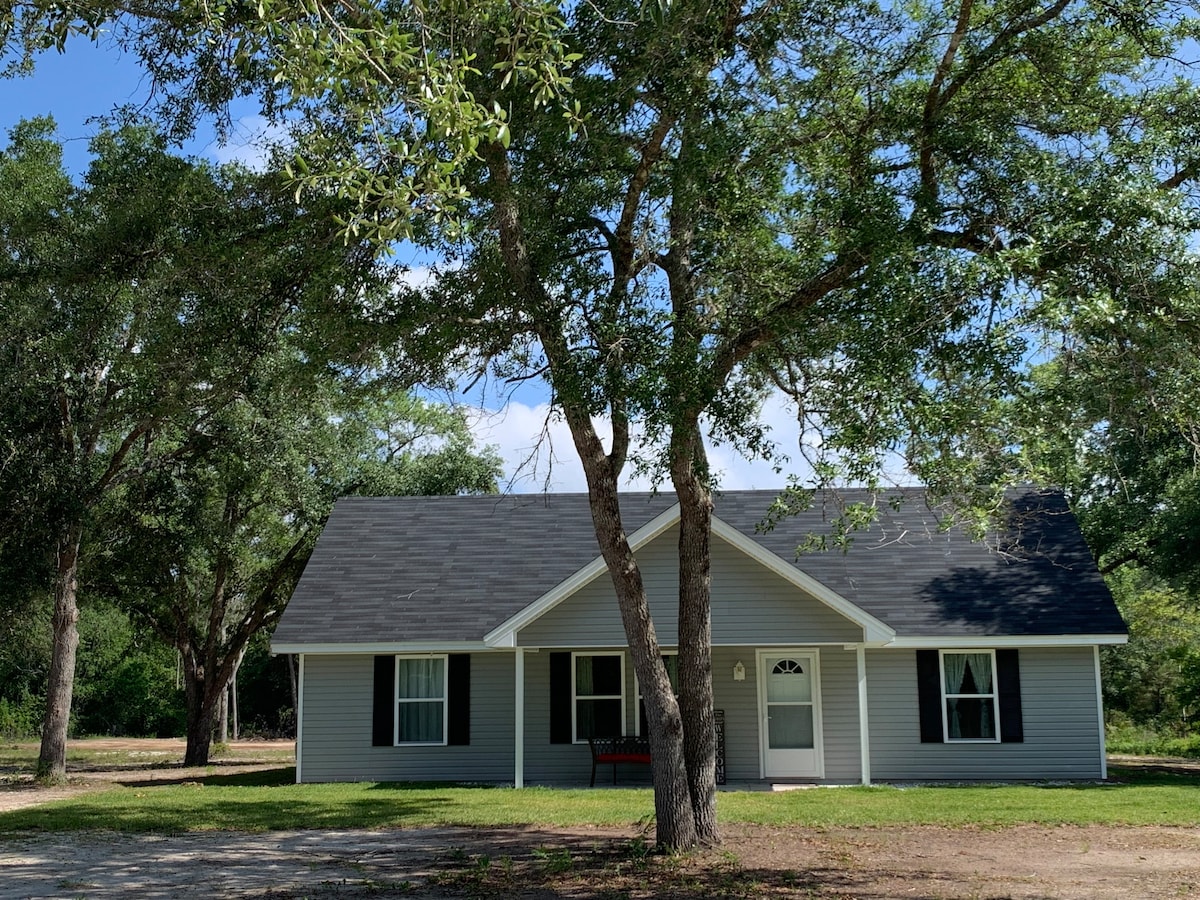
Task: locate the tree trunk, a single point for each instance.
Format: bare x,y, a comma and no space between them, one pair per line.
675,822
675,825
203,699
223,716
291,667
52,759
233,703
676,828
695,635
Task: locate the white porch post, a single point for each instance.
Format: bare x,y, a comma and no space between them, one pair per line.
1100,714
519,720
299,715
864,734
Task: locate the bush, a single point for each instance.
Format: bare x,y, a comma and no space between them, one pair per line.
1124,737
21,718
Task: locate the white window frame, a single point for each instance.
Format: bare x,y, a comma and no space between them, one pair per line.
575,738
637,690
994,696
444,700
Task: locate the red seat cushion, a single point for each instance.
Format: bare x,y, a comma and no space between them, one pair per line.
623,758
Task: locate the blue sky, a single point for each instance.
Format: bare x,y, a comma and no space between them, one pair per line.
75,87
87,82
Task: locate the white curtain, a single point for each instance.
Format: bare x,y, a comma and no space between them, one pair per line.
981,668
955,665
969,717
583,676
421,679
420,723
421,685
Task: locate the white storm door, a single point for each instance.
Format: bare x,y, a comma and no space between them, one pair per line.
790,709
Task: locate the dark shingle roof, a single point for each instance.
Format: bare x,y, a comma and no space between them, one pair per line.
404,569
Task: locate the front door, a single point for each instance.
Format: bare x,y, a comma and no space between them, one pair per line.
789,691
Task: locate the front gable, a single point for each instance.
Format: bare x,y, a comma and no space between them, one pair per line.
757,599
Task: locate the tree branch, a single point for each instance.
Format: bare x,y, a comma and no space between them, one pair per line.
651,153
933,99
838,274
998,46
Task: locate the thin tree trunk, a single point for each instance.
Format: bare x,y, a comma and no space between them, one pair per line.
689,475
52,759
223,716
291,667
695,639
676,828
233,701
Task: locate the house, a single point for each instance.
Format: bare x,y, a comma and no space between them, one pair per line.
478,639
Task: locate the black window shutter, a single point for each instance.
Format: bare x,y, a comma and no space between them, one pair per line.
1008,689
458,698
383,718
560,698
929,696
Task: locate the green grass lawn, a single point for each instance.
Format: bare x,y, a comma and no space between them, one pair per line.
269,801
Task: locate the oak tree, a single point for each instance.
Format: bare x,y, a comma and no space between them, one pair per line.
666,209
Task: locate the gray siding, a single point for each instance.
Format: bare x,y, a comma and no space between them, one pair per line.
1058,702
337,727
739,699
839,715
547,763
751,606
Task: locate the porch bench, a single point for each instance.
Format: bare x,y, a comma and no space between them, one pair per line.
618,750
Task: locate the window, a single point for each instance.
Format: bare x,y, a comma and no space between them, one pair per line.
420,700
671,661
598,700
969,695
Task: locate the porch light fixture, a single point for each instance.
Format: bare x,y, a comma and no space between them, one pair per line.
739,671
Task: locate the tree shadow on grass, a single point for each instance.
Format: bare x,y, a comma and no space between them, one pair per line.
262,778
250,801
434,786
624,868
1176,775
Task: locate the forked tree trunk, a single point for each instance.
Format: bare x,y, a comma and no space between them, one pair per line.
695,643
52,759
675,824
676,829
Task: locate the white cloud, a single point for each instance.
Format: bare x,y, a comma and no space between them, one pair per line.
249,142
418,276
535,444
539,455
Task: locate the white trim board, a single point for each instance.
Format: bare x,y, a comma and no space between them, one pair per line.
899,642
1100,716
299,717
383,647
1005,640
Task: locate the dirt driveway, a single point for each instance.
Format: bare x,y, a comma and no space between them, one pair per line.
875,863
1019,863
